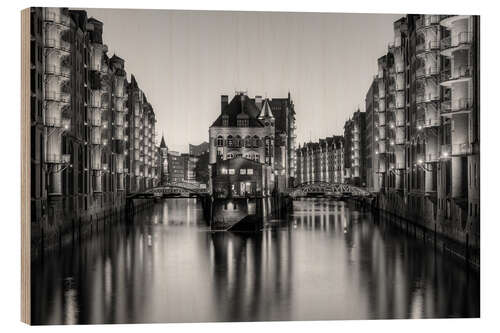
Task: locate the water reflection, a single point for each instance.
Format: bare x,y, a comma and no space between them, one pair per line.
326,261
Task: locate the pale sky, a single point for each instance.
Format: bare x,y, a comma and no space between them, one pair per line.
184,61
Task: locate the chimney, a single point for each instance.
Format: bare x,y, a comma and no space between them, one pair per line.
223,102
258,101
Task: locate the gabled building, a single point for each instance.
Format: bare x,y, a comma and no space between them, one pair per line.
245,128
321,161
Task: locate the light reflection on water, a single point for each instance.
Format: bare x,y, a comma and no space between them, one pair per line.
326,261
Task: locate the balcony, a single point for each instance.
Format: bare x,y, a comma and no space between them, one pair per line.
400,165
425,47
456,106
445,151
431,157
57,44
61,71
461,74
57,122
95,136
458,149
56,16
427,21
420,98
432,122
96,163
431,71
430,98
61,97
58,158
420,73
459,41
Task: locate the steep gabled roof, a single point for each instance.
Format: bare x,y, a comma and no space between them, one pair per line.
266,112
240,104
162,144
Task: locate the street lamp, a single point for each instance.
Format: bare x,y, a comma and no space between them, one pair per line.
420,163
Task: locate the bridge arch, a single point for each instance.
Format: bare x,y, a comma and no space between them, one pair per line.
326,188
174,188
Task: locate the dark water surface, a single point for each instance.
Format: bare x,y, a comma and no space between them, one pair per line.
326,261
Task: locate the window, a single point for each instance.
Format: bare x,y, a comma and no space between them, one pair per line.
248,142
249,171
229,155
220,141
243,171
242,122
256,141
223,171
225,120
257,157
230,141
237,142
231,171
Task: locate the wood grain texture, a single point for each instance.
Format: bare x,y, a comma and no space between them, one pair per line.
25,168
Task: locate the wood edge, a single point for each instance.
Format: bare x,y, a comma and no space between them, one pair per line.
25,169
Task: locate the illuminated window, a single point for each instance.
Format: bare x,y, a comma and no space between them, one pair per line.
231,171
243,171
223,171
249,171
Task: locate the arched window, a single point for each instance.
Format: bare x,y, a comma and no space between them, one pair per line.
237,142
248,141
256,141
230,141
220,141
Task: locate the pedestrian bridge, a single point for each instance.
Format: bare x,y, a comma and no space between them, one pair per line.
327,189
173,189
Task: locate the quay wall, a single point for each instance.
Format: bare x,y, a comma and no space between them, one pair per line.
420,216
68,226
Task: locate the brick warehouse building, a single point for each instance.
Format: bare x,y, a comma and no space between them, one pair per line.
321,161
259,129
80,148
428,124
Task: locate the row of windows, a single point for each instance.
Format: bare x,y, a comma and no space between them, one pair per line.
238,142
239,122
224,171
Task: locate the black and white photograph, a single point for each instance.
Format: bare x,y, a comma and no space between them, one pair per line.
194,166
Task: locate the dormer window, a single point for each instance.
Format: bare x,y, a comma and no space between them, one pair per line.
225,120
242,122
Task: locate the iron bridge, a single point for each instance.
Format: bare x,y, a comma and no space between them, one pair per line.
180,189
328,189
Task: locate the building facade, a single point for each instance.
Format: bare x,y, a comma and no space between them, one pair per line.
245,128
78,123
285,159
163,161
175,167
197,150
428,123
355,148
321,161
371,145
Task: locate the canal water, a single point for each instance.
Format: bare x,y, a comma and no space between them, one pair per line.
327,260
